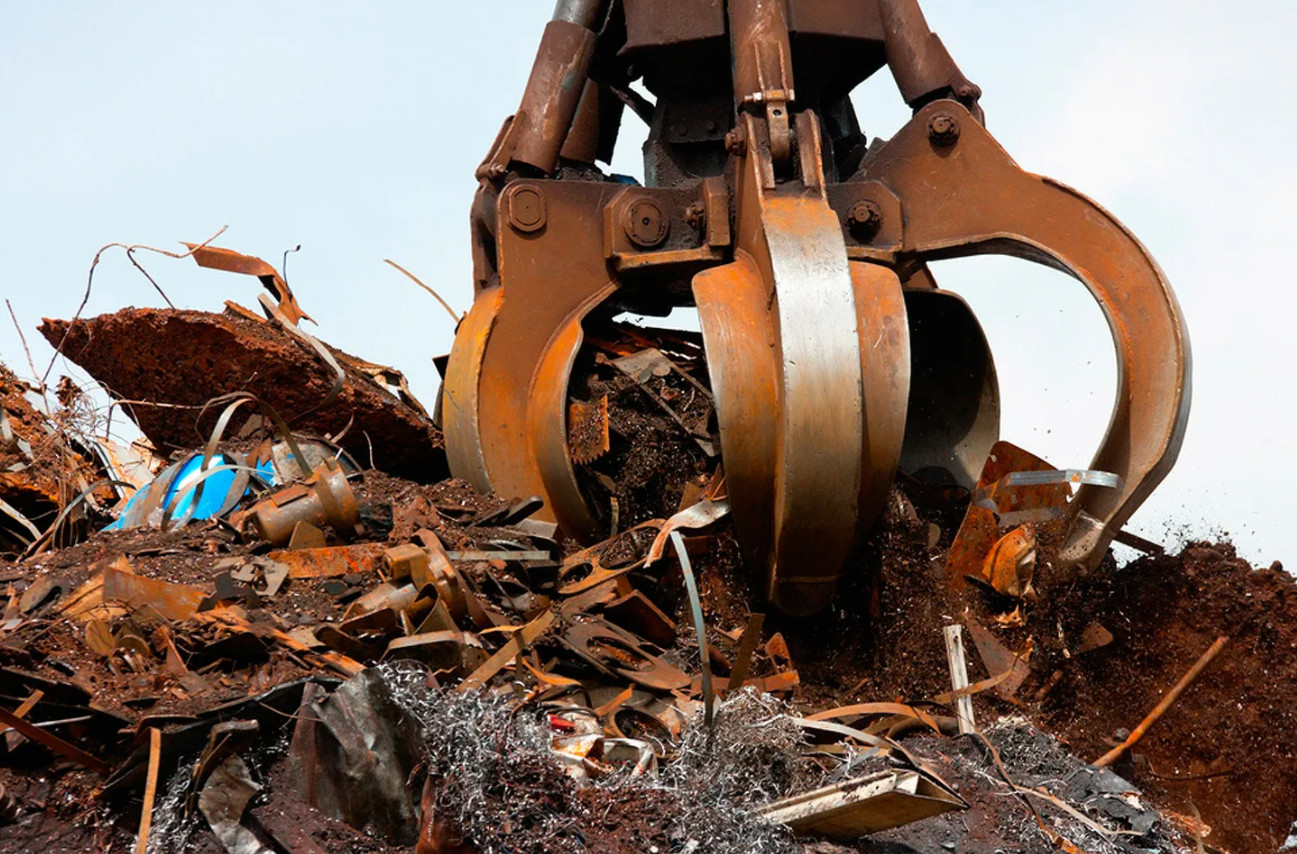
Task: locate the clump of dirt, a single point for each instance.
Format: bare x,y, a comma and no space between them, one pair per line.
1229,745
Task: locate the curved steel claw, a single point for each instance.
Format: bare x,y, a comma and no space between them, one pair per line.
963,195
810,366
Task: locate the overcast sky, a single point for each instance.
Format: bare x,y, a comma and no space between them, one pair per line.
353,129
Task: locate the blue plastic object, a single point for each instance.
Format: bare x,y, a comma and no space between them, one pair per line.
215,495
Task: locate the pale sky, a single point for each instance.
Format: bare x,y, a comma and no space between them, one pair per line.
353,130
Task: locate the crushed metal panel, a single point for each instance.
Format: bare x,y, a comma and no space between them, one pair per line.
865,805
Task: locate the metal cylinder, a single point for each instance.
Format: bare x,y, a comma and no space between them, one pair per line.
583,13
553,93
763,55
325,499
919,61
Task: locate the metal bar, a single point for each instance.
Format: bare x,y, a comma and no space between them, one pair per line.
501,554
1077,476
695,605
54,743
150,790
1160,709
959,677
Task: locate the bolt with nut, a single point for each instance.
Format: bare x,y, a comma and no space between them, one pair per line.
943,129
864,219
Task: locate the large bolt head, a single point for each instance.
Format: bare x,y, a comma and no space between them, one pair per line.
526,209
864,219
943,129
736,142
645,225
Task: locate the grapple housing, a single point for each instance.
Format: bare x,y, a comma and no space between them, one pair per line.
835,359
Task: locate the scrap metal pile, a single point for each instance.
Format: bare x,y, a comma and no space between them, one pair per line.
277,647
638,589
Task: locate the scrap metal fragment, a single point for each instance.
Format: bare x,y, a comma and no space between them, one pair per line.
998,659
1167,702
996,505
588,437
1095,636
621,655
361,754
525,637
216,258
954,636
652,364
498,554
323,499
1011,565
700,515
53,742
747,646
865,805
150,790
224,798
117,590
636,612
329,562
700,627
306,536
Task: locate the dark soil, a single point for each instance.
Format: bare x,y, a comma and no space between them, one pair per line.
652,457
1227,748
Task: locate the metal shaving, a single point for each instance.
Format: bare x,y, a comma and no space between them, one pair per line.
497,783
172,831
750,757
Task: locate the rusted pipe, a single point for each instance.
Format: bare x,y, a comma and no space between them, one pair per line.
1169,700
583,13
922,66
557,82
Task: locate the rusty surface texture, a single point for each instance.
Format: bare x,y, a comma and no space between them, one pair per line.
834,359
132,353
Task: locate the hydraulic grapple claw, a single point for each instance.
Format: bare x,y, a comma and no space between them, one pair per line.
834,358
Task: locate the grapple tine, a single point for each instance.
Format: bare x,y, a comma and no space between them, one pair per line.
810,363
954,411
963,195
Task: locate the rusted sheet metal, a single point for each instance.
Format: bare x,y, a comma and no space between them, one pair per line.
994,502
999,659
871,804
117,587
133,353
215,258
329,562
